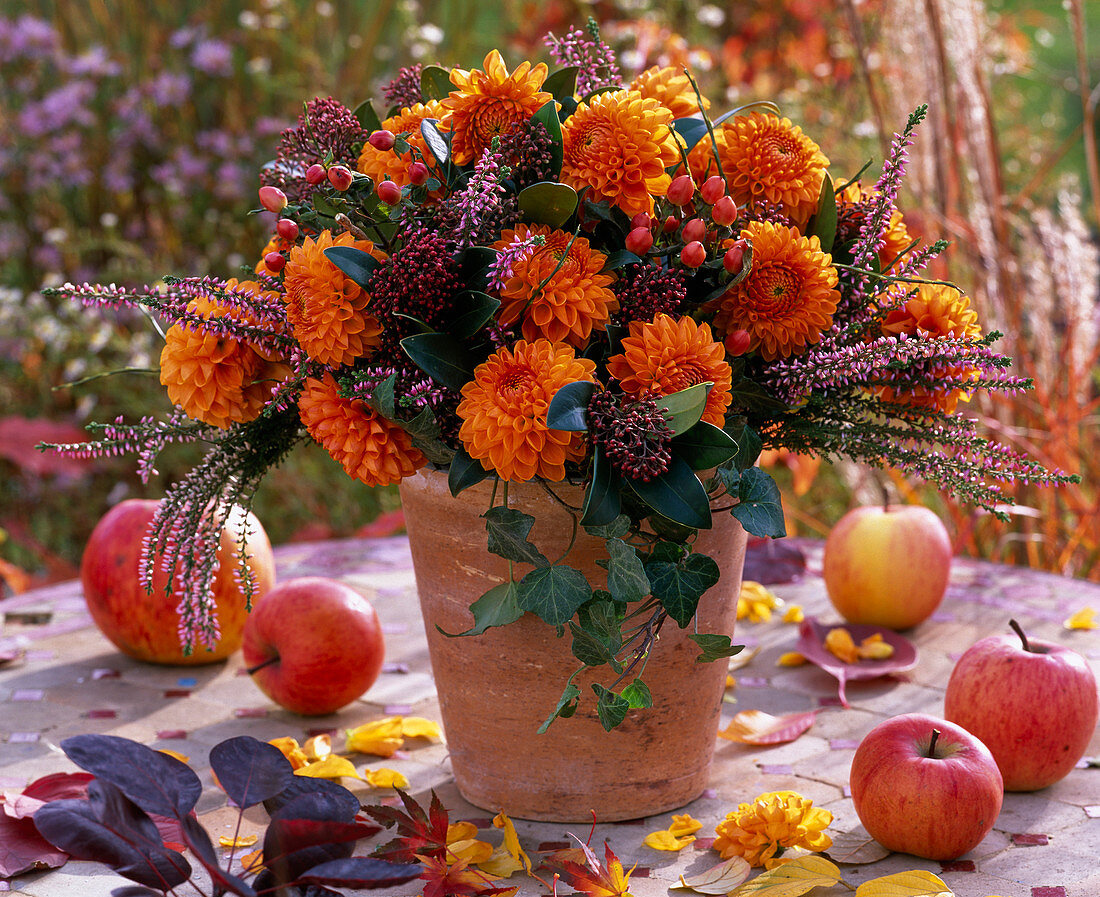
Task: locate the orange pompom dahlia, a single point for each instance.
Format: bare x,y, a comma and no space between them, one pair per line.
327,309
670,87
574,298
666,356
765,157
368,447
218,380
618,145
381,165
488,103
503,410
773,823
789,297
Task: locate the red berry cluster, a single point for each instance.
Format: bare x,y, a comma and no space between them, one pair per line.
632,433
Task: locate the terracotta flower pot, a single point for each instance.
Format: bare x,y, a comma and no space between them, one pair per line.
496,689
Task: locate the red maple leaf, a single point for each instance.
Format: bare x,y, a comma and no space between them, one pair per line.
591,877
419,834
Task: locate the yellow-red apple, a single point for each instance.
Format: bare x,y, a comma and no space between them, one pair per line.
145,625
313,645
925,786
1034,704
887,566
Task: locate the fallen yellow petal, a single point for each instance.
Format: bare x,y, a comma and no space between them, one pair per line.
790,659
511,841
1085,618
317,748
176,755
254,861
291,750
332,767
382,737
461,831
241,841
874,648
731,681
756,603
419,727
665,840
794,614
470,850
684,824
501,863
385,778
840,644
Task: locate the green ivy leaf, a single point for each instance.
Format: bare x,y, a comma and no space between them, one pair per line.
442,357
569,407
683,409
823,224
547,116
561,83
476,309
497,607
435,141
748,447
355,263
589,648
616,529
508,529
548,203
435,83
367,117
464,472
714,647
680,586
676,494
759,506
626,579
704,446
637,695
567,705
554,593
610,707
382,399
730,478
602,500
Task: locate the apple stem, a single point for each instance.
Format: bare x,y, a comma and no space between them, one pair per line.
1020,632
932,743
253,670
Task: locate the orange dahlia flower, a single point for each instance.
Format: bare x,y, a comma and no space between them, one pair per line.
618,144
503,410
789,297
765,157
666,356
381,165
218,380
574,299
934,310
776,821
327,309
368,447
487,103
670,87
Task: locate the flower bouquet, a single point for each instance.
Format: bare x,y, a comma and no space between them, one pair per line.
567,277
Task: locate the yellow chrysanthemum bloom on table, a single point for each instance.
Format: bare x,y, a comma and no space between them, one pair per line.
216,379
327,309
368,447
789,297
383,165
666,356
618,145
670,87
557,288
503,410
773,823
486,104
942,311
765,157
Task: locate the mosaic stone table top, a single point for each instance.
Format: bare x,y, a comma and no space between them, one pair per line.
71,680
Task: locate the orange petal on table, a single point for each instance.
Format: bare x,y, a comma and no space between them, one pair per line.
183,758
840,644
382,737
1085,618
254,861
874,648
385,778
758,727
790,659
240,841
727,876
665,840
469,850
794,614
290,750
684,824
317,748
419,727
332,767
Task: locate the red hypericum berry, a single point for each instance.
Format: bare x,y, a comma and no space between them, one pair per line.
695,230
713,189
274,261
693,255
340,177
388,192
681,190
315,174
734,257
640,220
272,198
418,173
639,241
287,229
382,140
670,225
737,342
724,211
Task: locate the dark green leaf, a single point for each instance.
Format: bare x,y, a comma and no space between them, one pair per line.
637,695
508,529
435,141
759,506
753,397
823,224
589,648
683,409
547,203
561,83
355,263
611,708
435,83
547,116
730,478
382,399
619,258
680,586
616,529
367,117
748,446
691,130
476,309
442,357
626,579
464,472
569,408
704,446
567,705
602,499
715,647
554,593
676,494
497,607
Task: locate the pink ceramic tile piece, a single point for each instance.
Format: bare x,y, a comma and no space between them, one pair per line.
959,866
24,737
101,714
752,682
843,744
1030,839
554,845
830,701
1049,891
703,843
776,769
12,782
395,667
709,793
846,791
394,628
38,655
250,712
171,734
106,673
177,692
321,730
28,694
480,821
640,872
397,709
1093,812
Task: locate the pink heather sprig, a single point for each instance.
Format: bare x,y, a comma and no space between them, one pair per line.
109,296
500,269
480,200
595,60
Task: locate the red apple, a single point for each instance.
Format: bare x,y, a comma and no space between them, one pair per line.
146,625
925,786
1032,702
313,645
887,566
